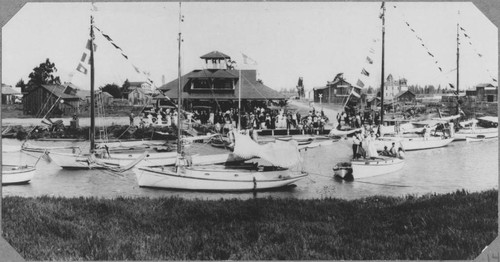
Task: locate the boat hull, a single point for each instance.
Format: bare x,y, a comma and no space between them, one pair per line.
12,175
412,143
477,133
70,161
214,178
369,168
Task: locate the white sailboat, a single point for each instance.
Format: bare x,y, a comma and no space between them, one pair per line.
188,175
17,174
472,131
374,165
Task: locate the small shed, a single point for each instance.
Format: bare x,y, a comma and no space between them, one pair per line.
405,97
139,97
9,95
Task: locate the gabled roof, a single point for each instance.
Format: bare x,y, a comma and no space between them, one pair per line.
403,92
82,94
215,55
212,73
250,88
58,90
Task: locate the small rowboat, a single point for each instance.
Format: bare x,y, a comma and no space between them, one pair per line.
362,168
12,174
479,138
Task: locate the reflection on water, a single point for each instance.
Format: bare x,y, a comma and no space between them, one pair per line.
460,165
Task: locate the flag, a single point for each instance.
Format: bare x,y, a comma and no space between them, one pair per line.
136,69
440,69
94,8
360,83
364,72
372,50
407,24
88,45
462,28
84,58
480,55
430,54
354,93
124,55
466,35
494,80
248,60
370,61
116,46
451,85
81,69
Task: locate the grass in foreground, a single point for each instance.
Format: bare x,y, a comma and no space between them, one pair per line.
451,226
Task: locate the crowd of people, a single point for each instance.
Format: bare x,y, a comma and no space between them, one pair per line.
223,121
356,120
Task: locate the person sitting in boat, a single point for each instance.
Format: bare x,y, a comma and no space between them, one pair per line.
393,151
401,153
385,152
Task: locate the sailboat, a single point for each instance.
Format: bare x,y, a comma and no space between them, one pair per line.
187,175
374,165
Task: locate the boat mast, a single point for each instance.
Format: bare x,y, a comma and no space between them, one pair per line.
179,89
458,56
382,76
92,98
239,99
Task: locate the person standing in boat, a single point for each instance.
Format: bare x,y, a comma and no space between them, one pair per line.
370,145
355,145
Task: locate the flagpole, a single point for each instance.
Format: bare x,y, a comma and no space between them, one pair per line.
382,77
458,55
179,89
239,98
92,96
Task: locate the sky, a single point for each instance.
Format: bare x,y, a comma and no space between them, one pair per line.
288,40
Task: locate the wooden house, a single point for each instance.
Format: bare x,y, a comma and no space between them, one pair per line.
335,92
9,95
57,99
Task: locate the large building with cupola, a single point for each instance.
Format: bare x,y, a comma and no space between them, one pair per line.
219,86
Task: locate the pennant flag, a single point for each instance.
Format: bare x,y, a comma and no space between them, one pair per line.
407,24
84,58
383,4
480,55
248,60
94,8
372,50
412,30
430,54
81,69
360,83
440,69
88,45
117,47
124,56
451,85
462,28
364,72
136,69
107,37
370,61
466,35
494,79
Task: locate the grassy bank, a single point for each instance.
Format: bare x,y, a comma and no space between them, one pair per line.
451,226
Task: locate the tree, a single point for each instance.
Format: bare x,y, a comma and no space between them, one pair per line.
22,85
125,88
43,75
370,90
113,90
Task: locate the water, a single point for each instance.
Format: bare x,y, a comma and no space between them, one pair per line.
460,165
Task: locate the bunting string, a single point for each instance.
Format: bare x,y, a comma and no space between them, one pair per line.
110,40
422,43
469,40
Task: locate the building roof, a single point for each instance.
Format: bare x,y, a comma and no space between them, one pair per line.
215,55
485,85
106,94
58,90
8,90
403,92
250,87
82,94
212,73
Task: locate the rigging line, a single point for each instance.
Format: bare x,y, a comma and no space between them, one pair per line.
481,56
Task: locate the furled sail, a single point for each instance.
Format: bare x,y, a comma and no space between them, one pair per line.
279,153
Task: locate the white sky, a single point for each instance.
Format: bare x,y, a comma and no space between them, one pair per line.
288,40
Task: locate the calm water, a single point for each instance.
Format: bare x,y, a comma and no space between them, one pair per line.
460,165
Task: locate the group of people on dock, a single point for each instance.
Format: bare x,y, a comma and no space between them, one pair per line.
356,120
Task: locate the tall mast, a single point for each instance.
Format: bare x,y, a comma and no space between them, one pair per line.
92,98
458,56
239,99
179,89
383,61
